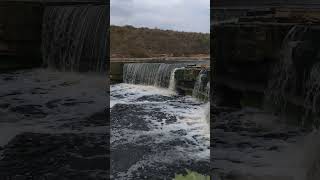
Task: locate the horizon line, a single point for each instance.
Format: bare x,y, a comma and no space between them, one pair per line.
160,28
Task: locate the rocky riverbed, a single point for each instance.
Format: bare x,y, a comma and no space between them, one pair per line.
53,125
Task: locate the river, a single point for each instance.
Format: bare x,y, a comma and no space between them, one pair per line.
156,133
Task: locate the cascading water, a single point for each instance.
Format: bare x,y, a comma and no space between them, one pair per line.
172,83
312,97
296,76
74,38
207,113
153,117
283,82
157,74
201,88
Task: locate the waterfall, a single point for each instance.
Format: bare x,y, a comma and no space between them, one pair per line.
157,74
207,113
172,83
201,88
312,90
283,82
74,38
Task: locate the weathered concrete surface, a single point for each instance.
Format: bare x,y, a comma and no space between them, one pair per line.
187,78
116,72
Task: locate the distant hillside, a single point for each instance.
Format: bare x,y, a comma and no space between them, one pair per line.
128,41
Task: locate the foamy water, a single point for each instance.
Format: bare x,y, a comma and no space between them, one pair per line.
191,119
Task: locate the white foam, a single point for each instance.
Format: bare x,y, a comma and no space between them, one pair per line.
191,117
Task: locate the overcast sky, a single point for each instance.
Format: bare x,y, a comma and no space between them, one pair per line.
181,15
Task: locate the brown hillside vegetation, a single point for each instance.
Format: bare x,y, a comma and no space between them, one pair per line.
128,41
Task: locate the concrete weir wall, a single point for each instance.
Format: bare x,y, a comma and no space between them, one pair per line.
21,30
116,64
267,60
191,75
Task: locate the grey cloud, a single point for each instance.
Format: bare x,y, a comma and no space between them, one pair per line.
182,15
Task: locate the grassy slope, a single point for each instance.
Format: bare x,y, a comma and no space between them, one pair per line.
128,41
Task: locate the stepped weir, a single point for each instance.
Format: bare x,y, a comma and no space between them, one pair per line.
180,77
157,74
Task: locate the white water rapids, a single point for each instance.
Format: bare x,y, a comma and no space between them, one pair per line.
191,145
